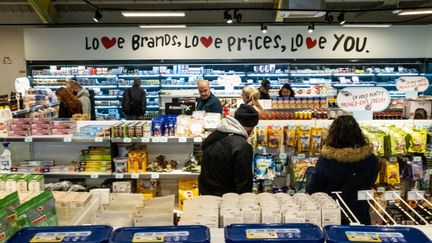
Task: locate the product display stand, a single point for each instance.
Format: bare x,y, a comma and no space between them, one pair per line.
409,207
353,220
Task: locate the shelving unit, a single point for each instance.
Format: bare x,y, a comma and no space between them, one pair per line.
299,73
35,108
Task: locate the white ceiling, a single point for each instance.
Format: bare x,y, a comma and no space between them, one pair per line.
206,12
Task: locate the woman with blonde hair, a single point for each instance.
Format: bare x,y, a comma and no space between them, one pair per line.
69,104
250,97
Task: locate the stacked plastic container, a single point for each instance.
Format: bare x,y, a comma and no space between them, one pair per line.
191,233
64,234
349,234
256,233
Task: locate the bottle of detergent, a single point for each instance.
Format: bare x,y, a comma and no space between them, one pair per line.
5,158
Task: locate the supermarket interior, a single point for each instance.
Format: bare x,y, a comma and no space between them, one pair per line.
126,169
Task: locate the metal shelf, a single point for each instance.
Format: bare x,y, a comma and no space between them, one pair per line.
177,174
68,174
354,74
310,74
106,97
267,74
397,74
47,86
54,138
180,75
139,75
20,112
142,86
97,76
225,74
106,107
355,85
158,140
51,76
100,86
152,96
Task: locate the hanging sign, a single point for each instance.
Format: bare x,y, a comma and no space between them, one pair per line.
236,42
409,84
363,99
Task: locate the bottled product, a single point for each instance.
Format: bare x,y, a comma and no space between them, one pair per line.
5,121
21,102
6,158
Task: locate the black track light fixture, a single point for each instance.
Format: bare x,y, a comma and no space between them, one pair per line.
311,27
263,28
228,17
341,18
237,16
97,16
329,18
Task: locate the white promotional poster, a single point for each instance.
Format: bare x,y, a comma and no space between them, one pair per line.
230,42
363,99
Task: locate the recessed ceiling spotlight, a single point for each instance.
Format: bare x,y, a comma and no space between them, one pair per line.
311,27
341,18
329,18
228,17
237,16
97,16
263,28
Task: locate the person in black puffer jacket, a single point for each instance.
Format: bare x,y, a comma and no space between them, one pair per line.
346,164
227,156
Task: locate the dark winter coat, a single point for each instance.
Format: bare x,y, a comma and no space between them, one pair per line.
348,170
211,104
64,111
138,94
227,160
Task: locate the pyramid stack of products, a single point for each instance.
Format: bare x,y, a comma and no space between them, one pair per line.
40,126
167,125
249,208
136,162
39,210
95,159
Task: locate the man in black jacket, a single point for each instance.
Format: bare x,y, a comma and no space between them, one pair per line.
227,158
134,101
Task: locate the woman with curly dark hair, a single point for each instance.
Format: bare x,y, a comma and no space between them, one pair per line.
346,164
69,104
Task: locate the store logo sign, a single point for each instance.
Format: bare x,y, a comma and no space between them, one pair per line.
282,43
179,108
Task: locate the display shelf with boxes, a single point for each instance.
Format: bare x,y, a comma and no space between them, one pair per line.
110,80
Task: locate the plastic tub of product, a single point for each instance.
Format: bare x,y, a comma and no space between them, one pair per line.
187,233
120,164
349,234
305,233
64,234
